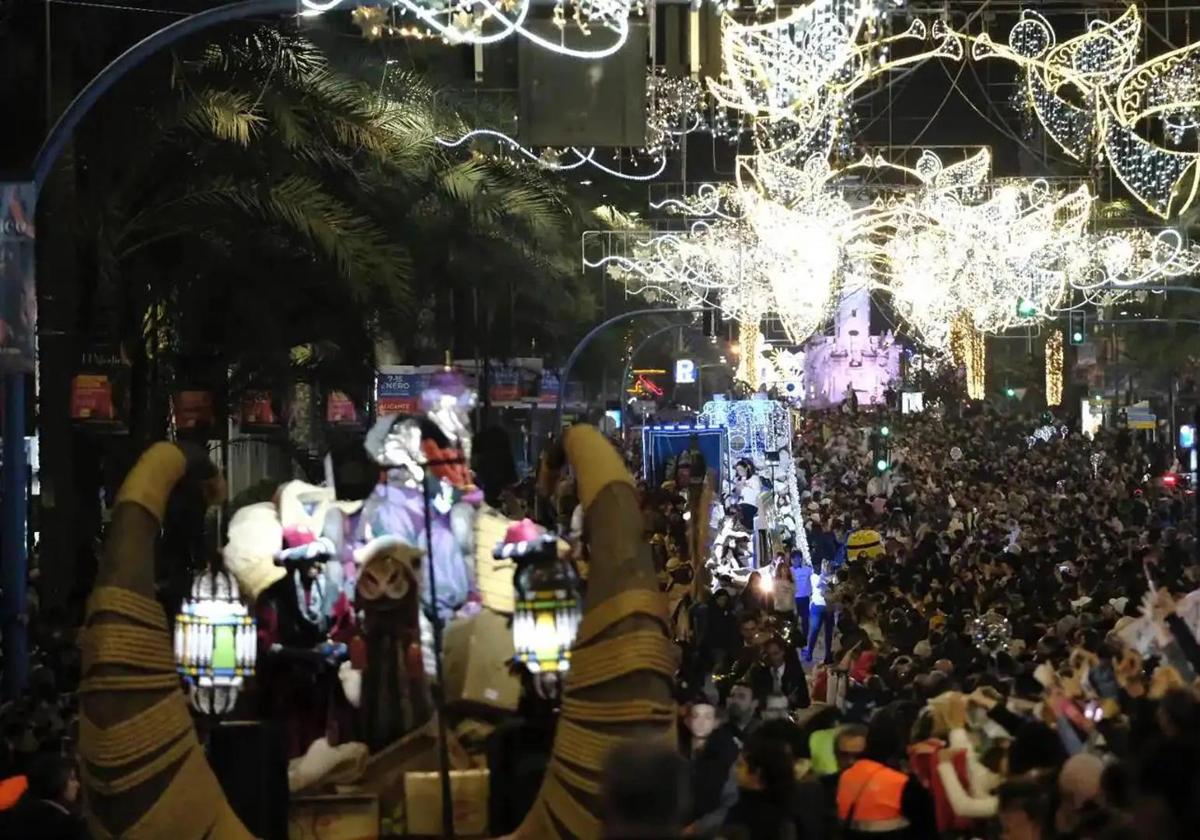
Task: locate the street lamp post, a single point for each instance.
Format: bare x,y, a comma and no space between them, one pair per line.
629,367
565,373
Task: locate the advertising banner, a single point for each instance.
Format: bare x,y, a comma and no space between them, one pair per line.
398,388
341,411
261,413
548,390
199,397
18,295
195,412
504,385
100,392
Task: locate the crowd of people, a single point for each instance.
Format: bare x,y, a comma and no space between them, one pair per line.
990,637
995,636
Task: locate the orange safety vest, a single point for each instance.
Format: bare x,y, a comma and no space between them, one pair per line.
873,790
11,791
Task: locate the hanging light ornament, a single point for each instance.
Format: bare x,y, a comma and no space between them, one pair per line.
1054,368
216,643
783,241
548,605
750,338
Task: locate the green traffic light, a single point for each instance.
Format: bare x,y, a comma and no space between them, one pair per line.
881,465
1026,308
1010,392
1077,337
885,431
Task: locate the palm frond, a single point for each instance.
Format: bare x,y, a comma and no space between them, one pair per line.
223,114
362,252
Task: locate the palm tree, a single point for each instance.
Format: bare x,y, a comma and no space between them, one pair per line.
269,202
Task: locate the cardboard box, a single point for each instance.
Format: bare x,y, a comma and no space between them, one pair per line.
386,771
478,652
423,803
340,817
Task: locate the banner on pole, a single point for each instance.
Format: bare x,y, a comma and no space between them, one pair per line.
18,294
398,388
100,392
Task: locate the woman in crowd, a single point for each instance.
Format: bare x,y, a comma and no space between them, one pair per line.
747,489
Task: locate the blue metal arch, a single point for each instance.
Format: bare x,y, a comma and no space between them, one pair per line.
14,511
129,60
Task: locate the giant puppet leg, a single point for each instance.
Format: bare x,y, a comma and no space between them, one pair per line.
144,772
623,663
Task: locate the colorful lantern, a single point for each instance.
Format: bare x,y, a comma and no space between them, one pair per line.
216,643
547,607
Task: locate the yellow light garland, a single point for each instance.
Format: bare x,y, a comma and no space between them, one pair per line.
1054,368
750,338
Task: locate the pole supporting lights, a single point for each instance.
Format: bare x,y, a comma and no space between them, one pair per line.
565,373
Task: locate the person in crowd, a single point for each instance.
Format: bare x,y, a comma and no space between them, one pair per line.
822,615
644,793
877,799
783,591
1026,808
49,808
748,487
721,638
711,753
779,673
741,712
802,576
766,784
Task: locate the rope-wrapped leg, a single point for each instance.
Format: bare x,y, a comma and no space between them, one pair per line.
142,767
623,664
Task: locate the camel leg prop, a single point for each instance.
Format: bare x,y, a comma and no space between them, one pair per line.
623,664
144,773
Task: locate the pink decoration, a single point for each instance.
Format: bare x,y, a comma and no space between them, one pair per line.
297,535
524,531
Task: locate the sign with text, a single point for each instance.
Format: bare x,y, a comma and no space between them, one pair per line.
100,392
18,294
261,413
340,410
398,388
685,372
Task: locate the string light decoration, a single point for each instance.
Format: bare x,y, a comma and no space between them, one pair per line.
556,160
755,427
1054,368
675,107
486,22
750,338
1090,94
968,349
784,241
216,643
1124,260
976,364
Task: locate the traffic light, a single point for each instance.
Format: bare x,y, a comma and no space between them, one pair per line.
1010,392
881,448
1076,326
1026,308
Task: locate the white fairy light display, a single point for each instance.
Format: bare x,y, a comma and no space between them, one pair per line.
216,643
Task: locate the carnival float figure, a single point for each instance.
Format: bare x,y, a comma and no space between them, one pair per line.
141,763
286,555
427,499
